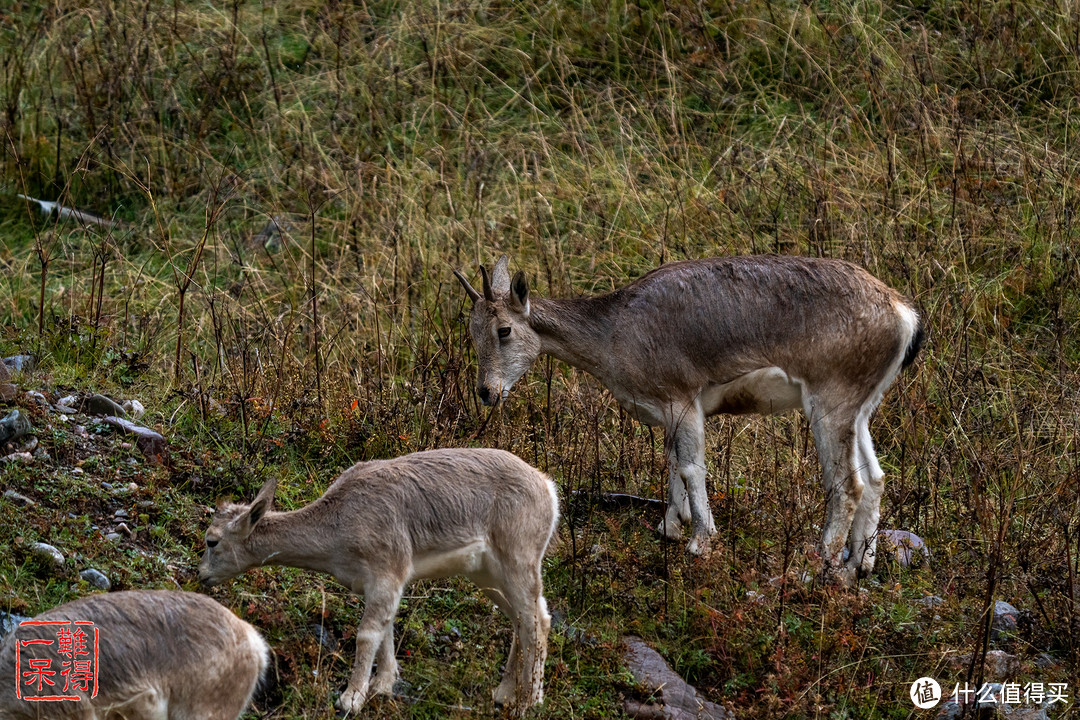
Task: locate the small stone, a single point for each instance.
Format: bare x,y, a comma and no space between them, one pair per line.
69,401
120,513
14,426
8,392
114,537
125,445
96,578
106,485
325,637
755,597
80,431
38,398
21,363
903,545
48,553
123,528
1000,665
147,504
152,444
1045,661
10,621
1004,618
132,487
101,405
77,471
134,408
18,499
930,601
22,457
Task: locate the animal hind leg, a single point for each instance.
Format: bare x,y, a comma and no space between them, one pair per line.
387,674
516,587
863,542
381,599
834,435
678,509
504,693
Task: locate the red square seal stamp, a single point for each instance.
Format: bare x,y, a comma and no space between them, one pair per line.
56,660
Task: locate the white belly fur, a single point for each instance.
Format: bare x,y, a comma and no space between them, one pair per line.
766,392
447,563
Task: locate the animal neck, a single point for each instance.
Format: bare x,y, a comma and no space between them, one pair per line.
575,331
291,539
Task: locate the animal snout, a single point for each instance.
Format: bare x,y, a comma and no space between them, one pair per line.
486,396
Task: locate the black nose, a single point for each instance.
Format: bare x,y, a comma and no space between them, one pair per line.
484,393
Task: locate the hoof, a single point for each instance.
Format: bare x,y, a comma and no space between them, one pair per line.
699,546
383,685
842,576
670,529
351,701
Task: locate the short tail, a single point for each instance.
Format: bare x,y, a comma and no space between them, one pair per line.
915,344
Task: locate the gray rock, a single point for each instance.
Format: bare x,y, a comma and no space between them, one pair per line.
670,696
1005,616
930,601
114,537
48,553
21,363
8,623
96,578
69,401
19,499
14,426
999,665
8,392
38,398
325,637
134,408
903,545
101,405
23,457
1045,661
152,444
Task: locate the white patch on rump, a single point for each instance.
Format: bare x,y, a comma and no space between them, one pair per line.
464,560
766,391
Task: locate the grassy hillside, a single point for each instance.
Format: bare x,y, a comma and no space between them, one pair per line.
930,142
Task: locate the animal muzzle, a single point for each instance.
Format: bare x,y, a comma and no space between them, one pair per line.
487,397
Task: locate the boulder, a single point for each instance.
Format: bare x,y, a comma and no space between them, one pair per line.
669,696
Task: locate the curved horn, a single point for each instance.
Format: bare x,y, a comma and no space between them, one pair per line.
473,295
488,294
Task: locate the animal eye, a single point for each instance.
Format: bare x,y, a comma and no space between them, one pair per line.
211,543
504,332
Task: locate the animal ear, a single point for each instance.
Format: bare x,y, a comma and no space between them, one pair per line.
473,295
519,293
500,277
262,504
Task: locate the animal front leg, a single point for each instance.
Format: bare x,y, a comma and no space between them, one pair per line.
687,455
380,606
